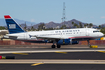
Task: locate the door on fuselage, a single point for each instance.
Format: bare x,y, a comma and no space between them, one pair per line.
87,32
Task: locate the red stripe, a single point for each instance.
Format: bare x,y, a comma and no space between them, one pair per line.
7,17
82,37
34,40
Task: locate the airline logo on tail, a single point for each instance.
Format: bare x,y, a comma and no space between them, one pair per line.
12,26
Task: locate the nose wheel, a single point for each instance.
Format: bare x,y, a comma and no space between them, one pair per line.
88,43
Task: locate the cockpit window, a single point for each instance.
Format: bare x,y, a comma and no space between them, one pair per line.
95,31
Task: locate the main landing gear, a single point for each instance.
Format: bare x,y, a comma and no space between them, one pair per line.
55,42
53,46
58,46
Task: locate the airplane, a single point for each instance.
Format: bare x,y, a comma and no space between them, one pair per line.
57,37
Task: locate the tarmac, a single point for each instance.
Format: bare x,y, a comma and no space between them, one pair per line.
37,57
47,46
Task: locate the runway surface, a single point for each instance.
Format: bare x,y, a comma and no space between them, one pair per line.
52,67
53,59
49,53
60,55
44,50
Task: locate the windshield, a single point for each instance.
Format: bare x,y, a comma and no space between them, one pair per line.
95,31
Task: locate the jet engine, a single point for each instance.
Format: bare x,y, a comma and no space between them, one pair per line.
66,42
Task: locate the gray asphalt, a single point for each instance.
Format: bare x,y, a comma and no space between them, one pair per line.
86,54
52,67
49,49
76,54
62,55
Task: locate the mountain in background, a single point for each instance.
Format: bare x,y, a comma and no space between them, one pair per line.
102,25
3,23
67,23
47,25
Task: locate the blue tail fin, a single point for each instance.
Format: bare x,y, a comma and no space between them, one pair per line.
12,26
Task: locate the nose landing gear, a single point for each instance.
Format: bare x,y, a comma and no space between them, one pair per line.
91,46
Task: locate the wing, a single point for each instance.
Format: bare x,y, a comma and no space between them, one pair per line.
52,37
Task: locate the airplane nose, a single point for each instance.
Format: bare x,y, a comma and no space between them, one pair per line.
102,34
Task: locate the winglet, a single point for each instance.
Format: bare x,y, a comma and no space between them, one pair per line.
7,17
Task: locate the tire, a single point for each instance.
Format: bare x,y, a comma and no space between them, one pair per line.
58,46
53,46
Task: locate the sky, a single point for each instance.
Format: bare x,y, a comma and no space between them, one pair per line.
88,11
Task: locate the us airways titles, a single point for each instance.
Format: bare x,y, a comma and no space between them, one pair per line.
66,31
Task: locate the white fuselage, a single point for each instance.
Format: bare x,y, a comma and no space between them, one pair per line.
58,34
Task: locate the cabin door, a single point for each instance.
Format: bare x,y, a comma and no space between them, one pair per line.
87,32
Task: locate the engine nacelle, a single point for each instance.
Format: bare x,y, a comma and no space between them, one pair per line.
66,42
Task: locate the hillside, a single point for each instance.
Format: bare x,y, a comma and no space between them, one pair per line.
3,23
48,25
